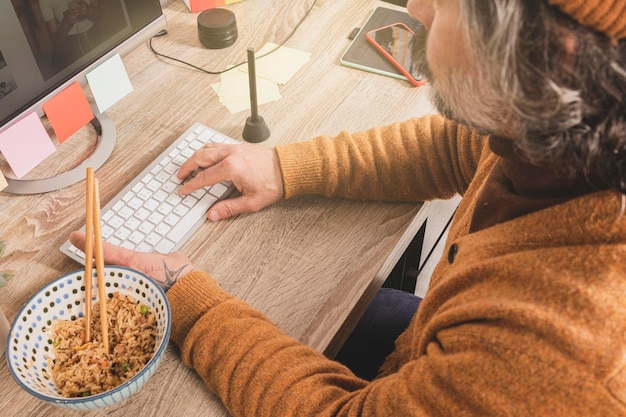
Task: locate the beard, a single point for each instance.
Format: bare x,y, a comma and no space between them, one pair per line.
463,95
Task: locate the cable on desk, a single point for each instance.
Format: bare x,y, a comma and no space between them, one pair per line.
164,32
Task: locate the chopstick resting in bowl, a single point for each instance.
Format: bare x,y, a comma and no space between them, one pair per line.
93,235
88,253
104,323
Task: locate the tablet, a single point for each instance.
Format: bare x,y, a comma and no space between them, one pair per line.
362,55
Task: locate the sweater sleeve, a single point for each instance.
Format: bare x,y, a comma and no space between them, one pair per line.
415,160
257,370
471,368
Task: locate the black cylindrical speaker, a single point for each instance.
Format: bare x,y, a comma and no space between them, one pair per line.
217,28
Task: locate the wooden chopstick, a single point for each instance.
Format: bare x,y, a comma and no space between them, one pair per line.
100,267
88,252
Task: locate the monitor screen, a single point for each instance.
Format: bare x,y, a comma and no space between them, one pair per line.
45,45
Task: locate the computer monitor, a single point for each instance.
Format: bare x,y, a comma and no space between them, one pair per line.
46,45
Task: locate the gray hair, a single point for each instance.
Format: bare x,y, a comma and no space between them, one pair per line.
568,112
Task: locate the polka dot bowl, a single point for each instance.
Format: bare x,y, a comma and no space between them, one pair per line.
29,345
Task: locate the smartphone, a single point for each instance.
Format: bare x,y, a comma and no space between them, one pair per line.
394,43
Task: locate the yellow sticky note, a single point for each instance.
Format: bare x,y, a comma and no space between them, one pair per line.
280,65
3,182
233,91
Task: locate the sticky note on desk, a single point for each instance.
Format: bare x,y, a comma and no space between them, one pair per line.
3,182
26,144
280,65
233,91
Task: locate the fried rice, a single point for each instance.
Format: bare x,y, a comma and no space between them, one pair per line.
81,369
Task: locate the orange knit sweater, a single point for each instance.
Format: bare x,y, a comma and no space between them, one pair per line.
528,320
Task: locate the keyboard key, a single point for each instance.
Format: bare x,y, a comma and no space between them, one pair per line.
206,135
162,176
127,245
151,204
218,189
174,199
107,231
196,144
142,213
153,185
189,220
125,212
171,168
160,195
170,187
118,205
144,193
156,217
180,210
115,222
178,161
164,246
162,229
128,196
190,200
153,239
107,215
146,227
122,233
143,247
165,208
132,223
199,193
136,237
135,203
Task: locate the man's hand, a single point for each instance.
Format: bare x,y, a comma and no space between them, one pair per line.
165,269
253,170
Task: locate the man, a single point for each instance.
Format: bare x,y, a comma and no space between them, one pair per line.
525,314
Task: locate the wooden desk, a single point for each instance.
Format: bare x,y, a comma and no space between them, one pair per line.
310,264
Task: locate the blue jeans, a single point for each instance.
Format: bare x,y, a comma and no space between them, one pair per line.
373,338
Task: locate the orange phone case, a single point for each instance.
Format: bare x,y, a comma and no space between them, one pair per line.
405,50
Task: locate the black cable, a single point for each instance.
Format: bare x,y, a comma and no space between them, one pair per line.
164,32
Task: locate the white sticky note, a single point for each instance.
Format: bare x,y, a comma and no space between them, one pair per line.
109,82
280,65
26,144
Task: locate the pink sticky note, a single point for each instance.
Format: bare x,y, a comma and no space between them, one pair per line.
68,111
26,144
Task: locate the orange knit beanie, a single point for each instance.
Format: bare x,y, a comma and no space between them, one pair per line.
607,16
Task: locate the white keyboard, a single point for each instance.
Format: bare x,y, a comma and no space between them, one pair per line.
148,215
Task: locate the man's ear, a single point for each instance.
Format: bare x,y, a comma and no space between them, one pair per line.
422,10
569,47
569,44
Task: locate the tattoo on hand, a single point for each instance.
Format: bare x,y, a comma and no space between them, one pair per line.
171,276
